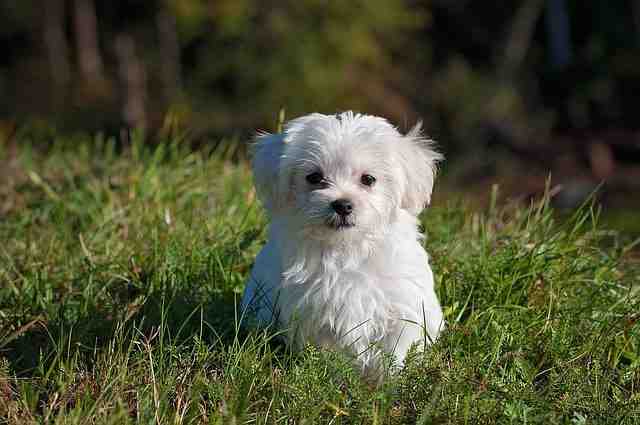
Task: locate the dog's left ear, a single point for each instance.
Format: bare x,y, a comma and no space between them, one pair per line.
268,151
418,161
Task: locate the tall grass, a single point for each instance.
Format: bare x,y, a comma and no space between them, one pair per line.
121,268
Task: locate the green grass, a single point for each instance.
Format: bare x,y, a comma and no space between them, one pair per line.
120,272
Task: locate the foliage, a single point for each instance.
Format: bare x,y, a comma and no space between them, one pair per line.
121,269
224,67
237,59
295,54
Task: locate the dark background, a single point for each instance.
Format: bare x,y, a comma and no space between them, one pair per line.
512,91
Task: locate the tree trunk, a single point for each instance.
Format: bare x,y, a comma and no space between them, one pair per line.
56,45
520,37
558,29
170,57
133,80
88,50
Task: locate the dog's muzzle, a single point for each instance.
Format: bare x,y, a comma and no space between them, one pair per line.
342,216
343,207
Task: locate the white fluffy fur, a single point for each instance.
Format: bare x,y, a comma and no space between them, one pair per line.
367,288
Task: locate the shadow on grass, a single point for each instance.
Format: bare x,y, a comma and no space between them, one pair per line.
182,315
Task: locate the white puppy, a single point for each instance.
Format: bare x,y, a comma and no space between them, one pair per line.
344,265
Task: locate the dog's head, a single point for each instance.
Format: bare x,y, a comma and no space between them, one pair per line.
343,174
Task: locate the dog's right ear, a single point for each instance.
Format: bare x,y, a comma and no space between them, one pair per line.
418,159
268,151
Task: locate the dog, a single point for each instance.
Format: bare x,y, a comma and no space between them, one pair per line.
344,266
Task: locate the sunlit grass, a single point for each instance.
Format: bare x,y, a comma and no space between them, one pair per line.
121,268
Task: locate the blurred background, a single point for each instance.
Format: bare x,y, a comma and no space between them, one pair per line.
512,91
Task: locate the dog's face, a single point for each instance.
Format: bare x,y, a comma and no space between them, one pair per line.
342,185
343,175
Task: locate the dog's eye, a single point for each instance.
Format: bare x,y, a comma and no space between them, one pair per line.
315,178
367,180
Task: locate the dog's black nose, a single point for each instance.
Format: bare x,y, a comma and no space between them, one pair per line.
342,206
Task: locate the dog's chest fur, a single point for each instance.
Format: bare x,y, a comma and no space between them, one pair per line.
351,295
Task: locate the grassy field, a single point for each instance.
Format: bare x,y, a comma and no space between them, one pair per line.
120,272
